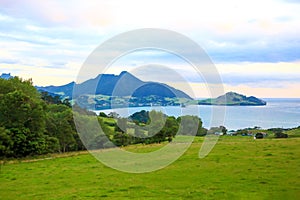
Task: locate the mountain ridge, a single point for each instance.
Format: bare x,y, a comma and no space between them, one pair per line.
135,92
124,84
6,76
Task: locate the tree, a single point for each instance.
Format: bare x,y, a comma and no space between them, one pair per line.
121,125
102,114
50,99
223,129
279,133
139,135
22,114
99,142
122,139
189,125
140,117
60,125
171,127
156,123
202,131
6,142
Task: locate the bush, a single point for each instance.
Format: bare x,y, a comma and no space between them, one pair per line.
281,135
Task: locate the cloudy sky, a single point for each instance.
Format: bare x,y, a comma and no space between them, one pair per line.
255,45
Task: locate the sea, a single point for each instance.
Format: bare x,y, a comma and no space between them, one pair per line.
278,113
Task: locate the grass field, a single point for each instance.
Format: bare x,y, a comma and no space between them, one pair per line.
237,168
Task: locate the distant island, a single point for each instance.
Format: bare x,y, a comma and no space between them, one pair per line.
233,99
108,91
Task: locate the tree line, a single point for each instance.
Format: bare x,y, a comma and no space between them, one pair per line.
144,127
34,123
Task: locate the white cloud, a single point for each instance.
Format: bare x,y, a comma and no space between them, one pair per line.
254,43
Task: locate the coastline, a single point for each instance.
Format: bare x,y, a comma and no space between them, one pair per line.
278,113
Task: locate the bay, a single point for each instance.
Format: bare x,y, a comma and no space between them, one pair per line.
278,113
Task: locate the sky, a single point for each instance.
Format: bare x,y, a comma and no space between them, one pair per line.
255,45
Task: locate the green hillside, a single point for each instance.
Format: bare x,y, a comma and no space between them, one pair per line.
237,168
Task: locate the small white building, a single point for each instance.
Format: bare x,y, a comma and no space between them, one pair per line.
219,133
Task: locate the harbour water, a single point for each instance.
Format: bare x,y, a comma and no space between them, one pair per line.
278,113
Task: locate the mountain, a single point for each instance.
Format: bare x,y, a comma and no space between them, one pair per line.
65,90
233,99
6,76
124,84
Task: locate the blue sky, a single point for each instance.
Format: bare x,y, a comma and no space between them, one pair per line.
255,45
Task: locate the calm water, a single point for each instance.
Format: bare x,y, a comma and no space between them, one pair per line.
283,113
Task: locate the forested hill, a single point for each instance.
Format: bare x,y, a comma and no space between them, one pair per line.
234,99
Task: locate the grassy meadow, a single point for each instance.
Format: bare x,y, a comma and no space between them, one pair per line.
237,168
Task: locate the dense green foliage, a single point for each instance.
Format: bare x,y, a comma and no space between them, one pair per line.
22,119
140,117
142,127
33,123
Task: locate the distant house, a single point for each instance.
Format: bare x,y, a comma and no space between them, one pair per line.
232,133
217,130
218,133
247,134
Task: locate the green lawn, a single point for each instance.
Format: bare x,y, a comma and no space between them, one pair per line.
237,168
